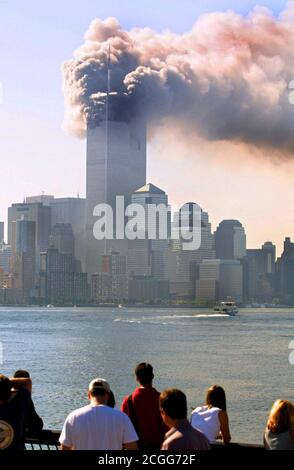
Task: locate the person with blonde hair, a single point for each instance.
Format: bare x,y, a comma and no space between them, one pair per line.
279,432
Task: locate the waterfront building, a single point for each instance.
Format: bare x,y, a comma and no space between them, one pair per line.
146,289
218,280
183,265
1,232
5,279
35,212
111,284
62,238
148,256
24,258
44,199
285,273
60,283
11,296
71,210
230,240
259,273
5,257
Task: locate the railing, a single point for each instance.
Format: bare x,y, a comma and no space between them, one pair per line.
48,440
45,440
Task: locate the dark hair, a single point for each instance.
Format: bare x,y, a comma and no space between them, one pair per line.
144,373
216,397
111,400
5,387
98,392
21,374
174,403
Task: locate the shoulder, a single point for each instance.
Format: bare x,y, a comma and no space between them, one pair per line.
116,413
172,439
125,402
78,413
22,395
222,414
198,410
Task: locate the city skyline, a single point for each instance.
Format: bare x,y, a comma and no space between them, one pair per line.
223,196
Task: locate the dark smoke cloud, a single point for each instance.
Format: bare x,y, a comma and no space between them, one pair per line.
226,79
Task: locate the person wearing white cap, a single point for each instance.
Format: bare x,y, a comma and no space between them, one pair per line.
98,426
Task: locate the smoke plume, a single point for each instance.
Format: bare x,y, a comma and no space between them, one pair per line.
226,79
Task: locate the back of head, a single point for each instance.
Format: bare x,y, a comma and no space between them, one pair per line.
281,418
5,388
21,374
144,373
216,397
174,403
99,388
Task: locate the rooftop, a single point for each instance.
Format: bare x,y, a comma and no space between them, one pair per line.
150,188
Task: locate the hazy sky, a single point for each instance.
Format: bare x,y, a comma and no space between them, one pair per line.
37,156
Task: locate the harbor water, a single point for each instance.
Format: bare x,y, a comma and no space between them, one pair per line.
64,348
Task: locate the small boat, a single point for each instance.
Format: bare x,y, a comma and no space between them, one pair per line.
227,307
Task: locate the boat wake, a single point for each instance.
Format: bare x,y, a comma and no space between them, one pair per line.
169,318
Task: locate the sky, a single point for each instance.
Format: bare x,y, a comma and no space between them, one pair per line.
36,154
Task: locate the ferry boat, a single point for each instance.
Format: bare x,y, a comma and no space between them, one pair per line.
227,307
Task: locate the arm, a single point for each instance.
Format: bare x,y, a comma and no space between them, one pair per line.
125,406
131,446
22,383
224,426
63,447
34,423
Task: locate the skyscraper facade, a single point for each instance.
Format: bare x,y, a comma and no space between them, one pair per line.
285,273
259,273
1,232
116,166
147,256
71,210
183,265
230,240
5,257
35,212
218,280
62,238
24,262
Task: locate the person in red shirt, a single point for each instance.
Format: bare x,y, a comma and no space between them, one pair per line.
142,407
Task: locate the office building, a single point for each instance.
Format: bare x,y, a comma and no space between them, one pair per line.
24,258
230,240
62,238
116,166
147,289
1,232
183,264
5,257
259,273
60,283
44,199
285,274
71,210
219,280
35,212
147,256
111,284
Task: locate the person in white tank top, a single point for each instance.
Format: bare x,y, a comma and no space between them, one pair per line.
212,418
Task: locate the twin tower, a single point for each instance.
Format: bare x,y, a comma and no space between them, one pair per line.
116,166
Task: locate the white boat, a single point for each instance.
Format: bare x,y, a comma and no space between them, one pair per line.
227,307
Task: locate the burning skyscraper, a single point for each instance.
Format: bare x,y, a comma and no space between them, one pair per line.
116,166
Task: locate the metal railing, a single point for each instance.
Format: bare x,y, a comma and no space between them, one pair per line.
49,440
